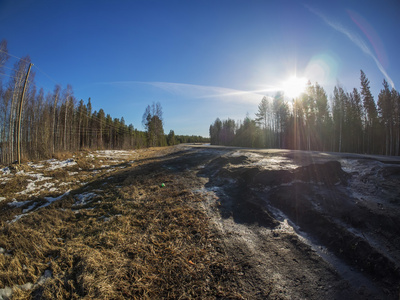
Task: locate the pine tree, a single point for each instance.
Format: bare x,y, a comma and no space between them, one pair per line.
262,115
370,121
396,120
386,110
215,130
171,138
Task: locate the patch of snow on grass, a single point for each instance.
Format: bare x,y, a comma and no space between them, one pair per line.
38,176
56,164
6,293
4,180
114,153
6,171
82,199
30,188
53,199
16,203
2,199
32,206
16,218
47,275
35,166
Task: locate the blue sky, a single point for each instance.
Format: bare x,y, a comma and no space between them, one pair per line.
200,59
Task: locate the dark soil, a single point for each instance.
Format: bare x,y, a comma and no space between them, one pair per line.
317,200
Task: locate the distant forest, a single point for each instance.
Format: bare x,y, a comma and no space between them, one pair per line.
349,122
55,121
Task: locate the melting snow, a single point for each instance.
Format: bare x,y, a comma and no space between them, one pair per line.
6,170
56,164
7,292
16,203
16,218
82,199
53,199
32,206
114,153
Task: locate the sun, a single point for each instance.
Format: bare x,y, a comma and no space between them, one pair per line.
294,86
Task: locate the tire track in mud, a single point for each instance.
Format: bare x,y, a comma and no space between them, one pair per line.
313,198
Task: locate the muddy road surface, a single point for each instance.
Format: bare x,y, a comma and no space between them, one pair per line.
302,225
196,221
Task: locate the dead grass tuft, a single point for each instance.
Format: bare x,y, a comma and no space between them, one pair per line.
62,155
14,184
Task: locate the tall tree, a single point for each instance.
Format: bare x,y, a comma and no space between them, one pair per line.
370,121
339,115
215,130
396,117
309,110
16,86
263,113
153,123
3,54
89,131
353,123
322,117
171,138
56,96
281,115
386,110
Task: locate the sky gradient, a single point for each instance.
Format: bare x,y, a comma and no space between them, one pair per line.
200,59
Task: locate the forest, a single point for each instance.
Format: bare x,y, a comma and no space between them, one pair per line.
53,122
348,122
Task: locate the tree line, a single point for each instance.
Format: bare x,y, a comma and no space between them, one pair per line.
349,122
54,121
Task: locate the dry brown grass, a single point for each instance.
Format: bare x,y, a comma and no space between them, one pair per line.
137,240
62,155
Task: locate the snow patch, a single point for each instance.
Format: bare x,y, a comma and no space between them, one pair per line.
84,198
113,153
16,203
53,199
38,176
32,206
56,164
7,292
6,171
16,218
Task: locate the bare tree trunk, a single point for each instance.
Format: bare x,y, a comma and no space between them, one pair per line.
54,122
65,125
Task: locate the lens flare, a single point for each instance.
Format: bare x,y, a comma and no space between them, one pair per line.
322,68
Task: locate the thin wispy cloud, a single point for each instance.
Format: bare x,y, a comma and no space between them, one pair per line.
202,91
358,41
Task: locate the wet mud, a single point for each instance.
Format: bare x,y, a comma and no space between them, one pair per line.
347,206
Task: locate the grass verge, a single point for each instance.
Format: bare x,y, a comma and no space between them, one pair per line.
136,240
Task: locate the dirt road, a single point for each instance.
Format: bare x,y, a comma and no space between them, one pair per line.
304,224
225,223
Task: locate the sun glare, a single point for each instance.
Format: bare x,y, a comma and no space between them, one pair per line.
294,86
